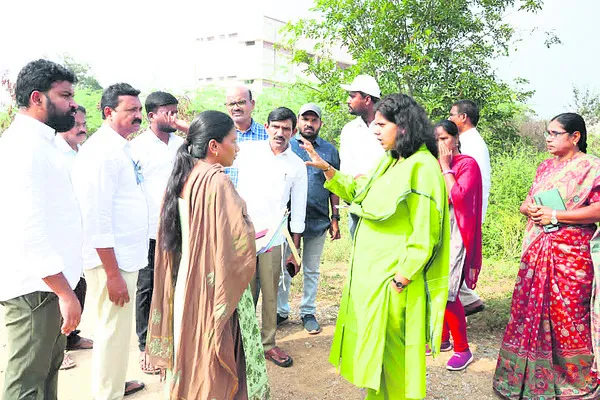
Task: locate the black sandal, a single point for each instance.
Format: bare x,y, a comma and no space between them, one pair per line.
138,385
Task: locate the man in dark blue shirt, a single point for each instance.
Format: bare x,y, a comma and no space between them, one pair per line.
318,221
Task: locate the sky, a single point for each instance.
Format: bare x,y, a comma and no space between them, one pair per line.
149,43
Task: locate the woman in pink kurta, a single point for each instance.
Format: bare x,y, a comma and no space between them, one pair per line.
464,183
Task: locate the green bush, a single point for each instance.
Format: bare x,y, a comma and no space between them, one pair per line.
512,175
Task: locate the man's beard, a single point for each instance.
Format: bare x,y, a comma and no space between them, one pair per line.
166,128
60,122
310,134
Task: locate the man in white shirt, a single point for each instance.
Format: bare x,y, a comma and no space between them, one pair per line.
360,151
107,182
40,233
270,177
68,143
465,114
154,151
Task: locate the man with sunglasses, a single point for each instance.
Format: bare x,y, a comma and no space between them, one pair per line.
465,114
240,104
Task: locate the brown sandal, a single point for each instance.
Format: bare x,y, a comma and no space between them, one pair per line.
67,363
146,367
278,357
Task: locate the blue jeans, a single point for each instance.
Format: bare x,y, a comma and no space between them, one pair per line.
311,259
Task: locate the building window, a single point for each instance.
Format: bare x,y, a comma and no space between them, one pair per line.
210,38
221,36
232,77
250,43
232,35
209,79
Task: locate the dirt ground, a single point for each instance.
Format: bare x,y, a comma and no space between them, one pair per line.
311,376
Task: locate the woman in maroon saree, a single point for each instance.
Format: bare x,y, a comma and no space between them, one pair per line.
463,181
547,348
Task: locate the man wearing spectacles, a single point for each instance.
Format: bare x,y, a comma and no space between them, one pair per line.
465,114
240,104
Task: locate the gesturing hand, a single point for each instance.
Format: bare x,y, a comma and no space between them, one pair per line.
179,124
317,161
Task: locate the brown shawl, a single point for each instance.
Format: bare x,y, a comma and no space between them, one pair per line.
222,262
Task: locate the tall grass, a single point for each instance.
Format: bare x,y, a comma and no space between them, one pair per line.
513,171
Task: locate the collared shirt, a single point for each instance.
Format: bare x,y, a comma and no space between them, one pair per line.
107,183
317,202
155,158
267,182
472,144
40,233
69,154
255,133
360,151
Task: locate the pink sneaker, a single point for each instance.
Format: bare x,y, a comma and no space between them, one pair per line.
460,360
445,346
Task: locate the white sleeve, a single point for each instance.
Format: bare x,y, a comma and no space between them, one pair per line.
299,195
96,193
32,215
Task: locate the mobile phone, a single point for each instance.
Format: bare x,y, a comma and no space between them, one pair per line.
550,228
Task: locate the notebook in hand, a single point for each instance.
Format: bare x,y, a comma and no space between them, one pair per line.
550,198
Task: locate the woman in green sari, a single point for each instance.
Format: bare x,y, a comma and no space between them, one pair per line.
394,300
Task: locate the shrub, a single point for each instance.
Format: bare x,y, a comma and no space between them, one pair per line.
512,175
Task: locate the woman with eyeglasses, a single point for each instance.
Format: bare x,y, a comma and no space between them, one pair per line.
547,350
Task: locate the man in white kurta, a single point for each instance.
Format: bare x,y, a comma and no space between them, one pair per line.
40,234
154,150
107,182
360,151
465,114
271,175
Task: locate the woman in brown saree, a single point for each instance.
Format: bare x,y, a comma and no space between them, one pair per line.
203,327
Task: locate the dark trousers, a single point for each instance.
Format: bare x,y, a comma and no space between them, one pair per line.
80,291
143,297
35,346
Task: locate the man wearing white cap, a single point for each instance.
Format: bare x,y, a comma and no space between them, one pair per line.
360,151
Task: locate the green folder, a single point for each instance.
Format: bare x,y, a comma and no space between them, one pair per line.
550,198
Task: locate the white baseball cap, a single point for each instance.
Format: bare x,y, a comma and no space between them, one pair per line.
364,83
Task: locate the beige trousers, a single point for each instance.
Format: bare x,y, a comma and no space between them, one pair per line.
112,337
268,271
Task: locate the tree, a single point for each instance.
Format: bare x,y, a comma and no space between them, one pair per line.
437,51
587,104
83,71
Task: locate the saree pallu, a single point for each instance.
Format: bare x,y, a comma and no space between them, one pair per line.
547,350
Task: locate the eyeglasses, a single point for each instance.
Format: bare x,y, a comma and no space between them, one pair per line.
240,103
554,134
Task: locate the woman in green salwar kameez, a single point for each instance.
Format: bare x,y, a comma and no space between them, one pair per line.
394,300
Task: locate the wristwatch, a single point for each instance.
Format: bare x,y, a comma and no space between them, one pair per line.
553,219
335,216
399,285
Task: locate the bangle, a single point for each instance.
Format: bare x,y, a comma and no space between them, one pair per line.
448,171
328,168
335,216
